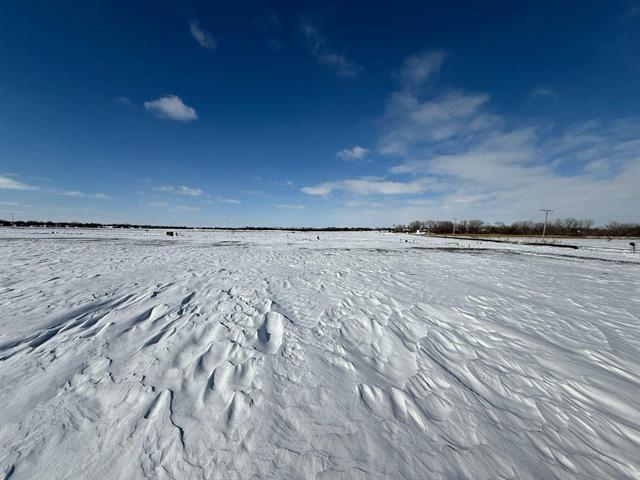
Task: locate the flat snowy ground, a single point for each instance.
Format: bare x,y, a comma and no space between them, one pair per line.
129,354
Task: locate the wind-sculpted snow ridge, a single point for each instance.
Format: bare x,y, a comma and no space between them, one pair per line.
278,355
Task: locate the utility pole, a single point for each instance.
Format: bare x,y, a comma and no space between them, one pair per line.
546,215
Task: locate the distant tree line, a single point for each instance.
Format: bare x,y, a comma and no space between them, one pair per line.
560,227
49,224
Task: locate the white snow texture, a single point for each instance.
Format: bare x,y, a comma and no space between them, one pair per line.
129,354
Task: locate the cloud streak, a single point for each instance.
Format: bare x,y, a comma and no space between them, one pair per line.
7,183
542,92
204,38
180,190
418,69
367,186
337,62
228,200
291,206
76,193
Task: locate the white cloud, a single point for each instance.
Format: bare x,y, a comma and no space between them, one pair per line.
286,183
457,157
447,108
171,107
157,204
8,183
368,186
181,190
76,193
187,208
204,38
600,166
336,62
355,153
228,200
417,69
291,206
409,121
588,171
542,92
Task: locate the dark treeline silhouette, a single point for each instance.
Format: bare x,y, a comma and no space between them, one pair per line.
48,224
559,227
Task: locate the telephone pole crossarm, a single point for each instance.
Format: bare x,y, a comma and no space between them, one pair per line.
546,216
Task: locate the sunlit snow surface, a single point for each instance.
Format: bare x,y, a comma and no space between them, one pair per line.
130,354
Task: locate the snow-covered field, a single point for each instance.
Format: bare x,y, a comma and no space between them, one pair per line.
129,354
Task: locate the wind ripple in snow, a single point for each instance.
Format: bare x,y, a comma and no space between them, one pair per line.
351,357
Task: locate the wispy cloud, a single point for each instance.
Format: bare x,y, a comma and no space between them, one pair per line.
337,62
8,183
171,107
228,200
158,204
455,156
367,186
417,69
181,190
355,153
187,208
76,193
13,204
411,118
285,183
124,101
204,38
292,206
542,92
452,116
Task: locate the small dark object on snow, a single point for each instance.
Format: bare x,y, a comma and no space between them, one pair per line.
318,237
633,246
170,234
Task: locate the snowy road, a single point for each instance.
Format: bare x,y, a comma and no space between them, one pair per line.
129,354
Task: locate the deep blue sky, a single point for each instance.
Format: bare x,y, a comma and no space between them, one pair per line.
305,113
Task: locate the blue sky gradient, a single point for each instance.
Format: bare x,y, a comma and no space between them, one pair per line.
299,113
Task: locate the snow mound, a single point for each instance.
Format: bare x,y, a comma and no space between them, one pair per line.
270,333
